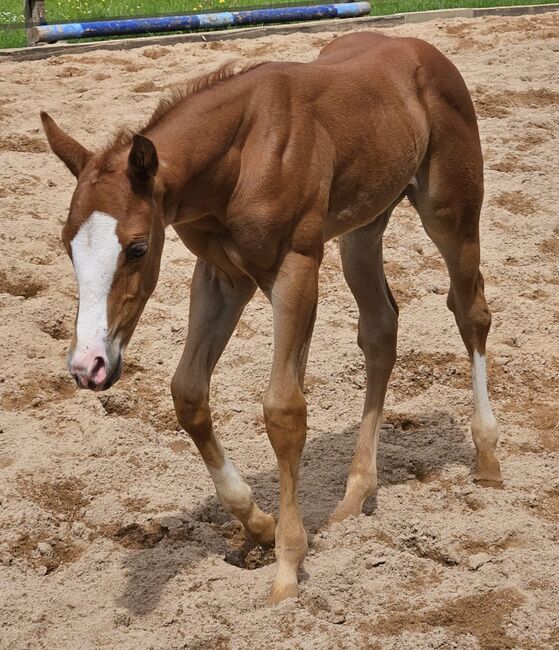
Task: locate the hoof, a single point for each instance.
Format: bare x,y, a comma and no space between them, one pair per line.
488,483
488,471
342,513
345,510
282,592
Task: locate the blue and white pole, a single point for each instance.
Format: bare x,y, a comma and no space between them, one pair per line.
122,27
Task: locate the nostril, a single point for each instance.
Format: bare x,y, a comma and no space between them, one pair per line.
98,370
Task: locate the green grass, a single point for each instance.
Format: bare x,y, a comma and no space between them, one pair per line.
11,12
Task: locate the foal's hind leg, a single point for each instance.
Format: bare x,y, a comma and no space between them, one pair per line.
215,308
361,252
448,196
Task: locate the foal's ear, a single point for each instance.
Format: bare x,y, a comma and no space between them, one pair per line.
71,152
142,160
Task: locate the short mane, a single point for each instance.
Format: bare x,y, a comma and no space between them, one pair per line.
194,86
197,85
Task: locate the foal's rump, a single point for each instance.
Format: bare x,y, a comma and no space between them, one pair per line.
404,102
403,62
400,67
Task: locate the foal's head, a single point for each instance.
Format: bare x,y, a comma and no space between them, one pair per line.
114,235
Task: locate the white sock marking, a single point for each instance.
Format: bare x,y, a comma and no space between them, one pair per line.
95,251
484,425
479,382
234,493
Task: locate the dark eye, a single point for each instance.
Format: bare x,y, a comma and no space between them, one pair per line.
136,250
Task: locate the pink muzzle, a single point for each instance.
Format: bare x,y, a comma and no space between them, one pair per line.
89,368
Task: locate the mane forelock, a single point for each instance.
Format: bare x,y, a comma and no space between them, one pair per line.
193,87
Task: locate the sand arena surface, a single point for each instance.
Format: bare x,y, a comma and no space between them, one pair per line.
110,533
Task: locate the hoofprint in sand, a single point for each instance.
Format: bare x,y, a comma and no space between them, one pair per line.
110,533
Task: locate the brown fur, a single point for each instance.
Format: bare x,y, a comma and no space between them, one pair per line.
197,85
255,171
123,137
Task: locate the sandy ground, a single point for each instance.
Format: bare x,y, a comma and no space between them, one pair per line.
110,533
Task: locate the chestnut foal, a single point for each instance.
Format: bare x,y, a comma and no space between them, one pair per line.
256,167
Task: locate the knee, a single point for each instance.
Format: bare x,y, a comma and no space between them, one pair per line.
191,406
286,419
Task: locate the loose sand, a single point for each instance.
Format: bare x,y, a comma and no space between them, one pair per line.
110,534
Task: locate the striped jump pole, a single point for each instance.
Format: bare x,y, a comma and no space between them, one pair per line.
123,27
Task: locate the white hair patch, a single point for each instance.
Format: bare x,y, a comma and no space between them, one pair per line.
95,251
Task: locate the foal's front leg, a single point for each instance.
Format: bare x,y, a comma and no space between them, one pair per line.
215,308
293,297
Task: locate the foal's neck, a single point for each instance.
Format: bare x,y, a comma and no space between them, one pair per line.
199,144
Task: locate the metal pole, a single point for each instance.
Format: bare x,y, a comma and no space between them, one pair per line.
34,13
122,27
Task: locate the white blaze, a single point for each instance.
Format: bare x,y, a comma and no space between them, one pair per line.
95,251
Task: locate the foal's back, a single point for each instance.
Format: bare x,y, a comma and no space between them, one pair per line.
362,115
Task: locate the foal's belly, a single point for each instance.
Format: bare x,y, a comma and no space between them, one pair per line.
364,206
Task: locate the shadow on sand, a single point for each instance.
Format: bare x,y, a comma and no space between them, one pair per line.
415,448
